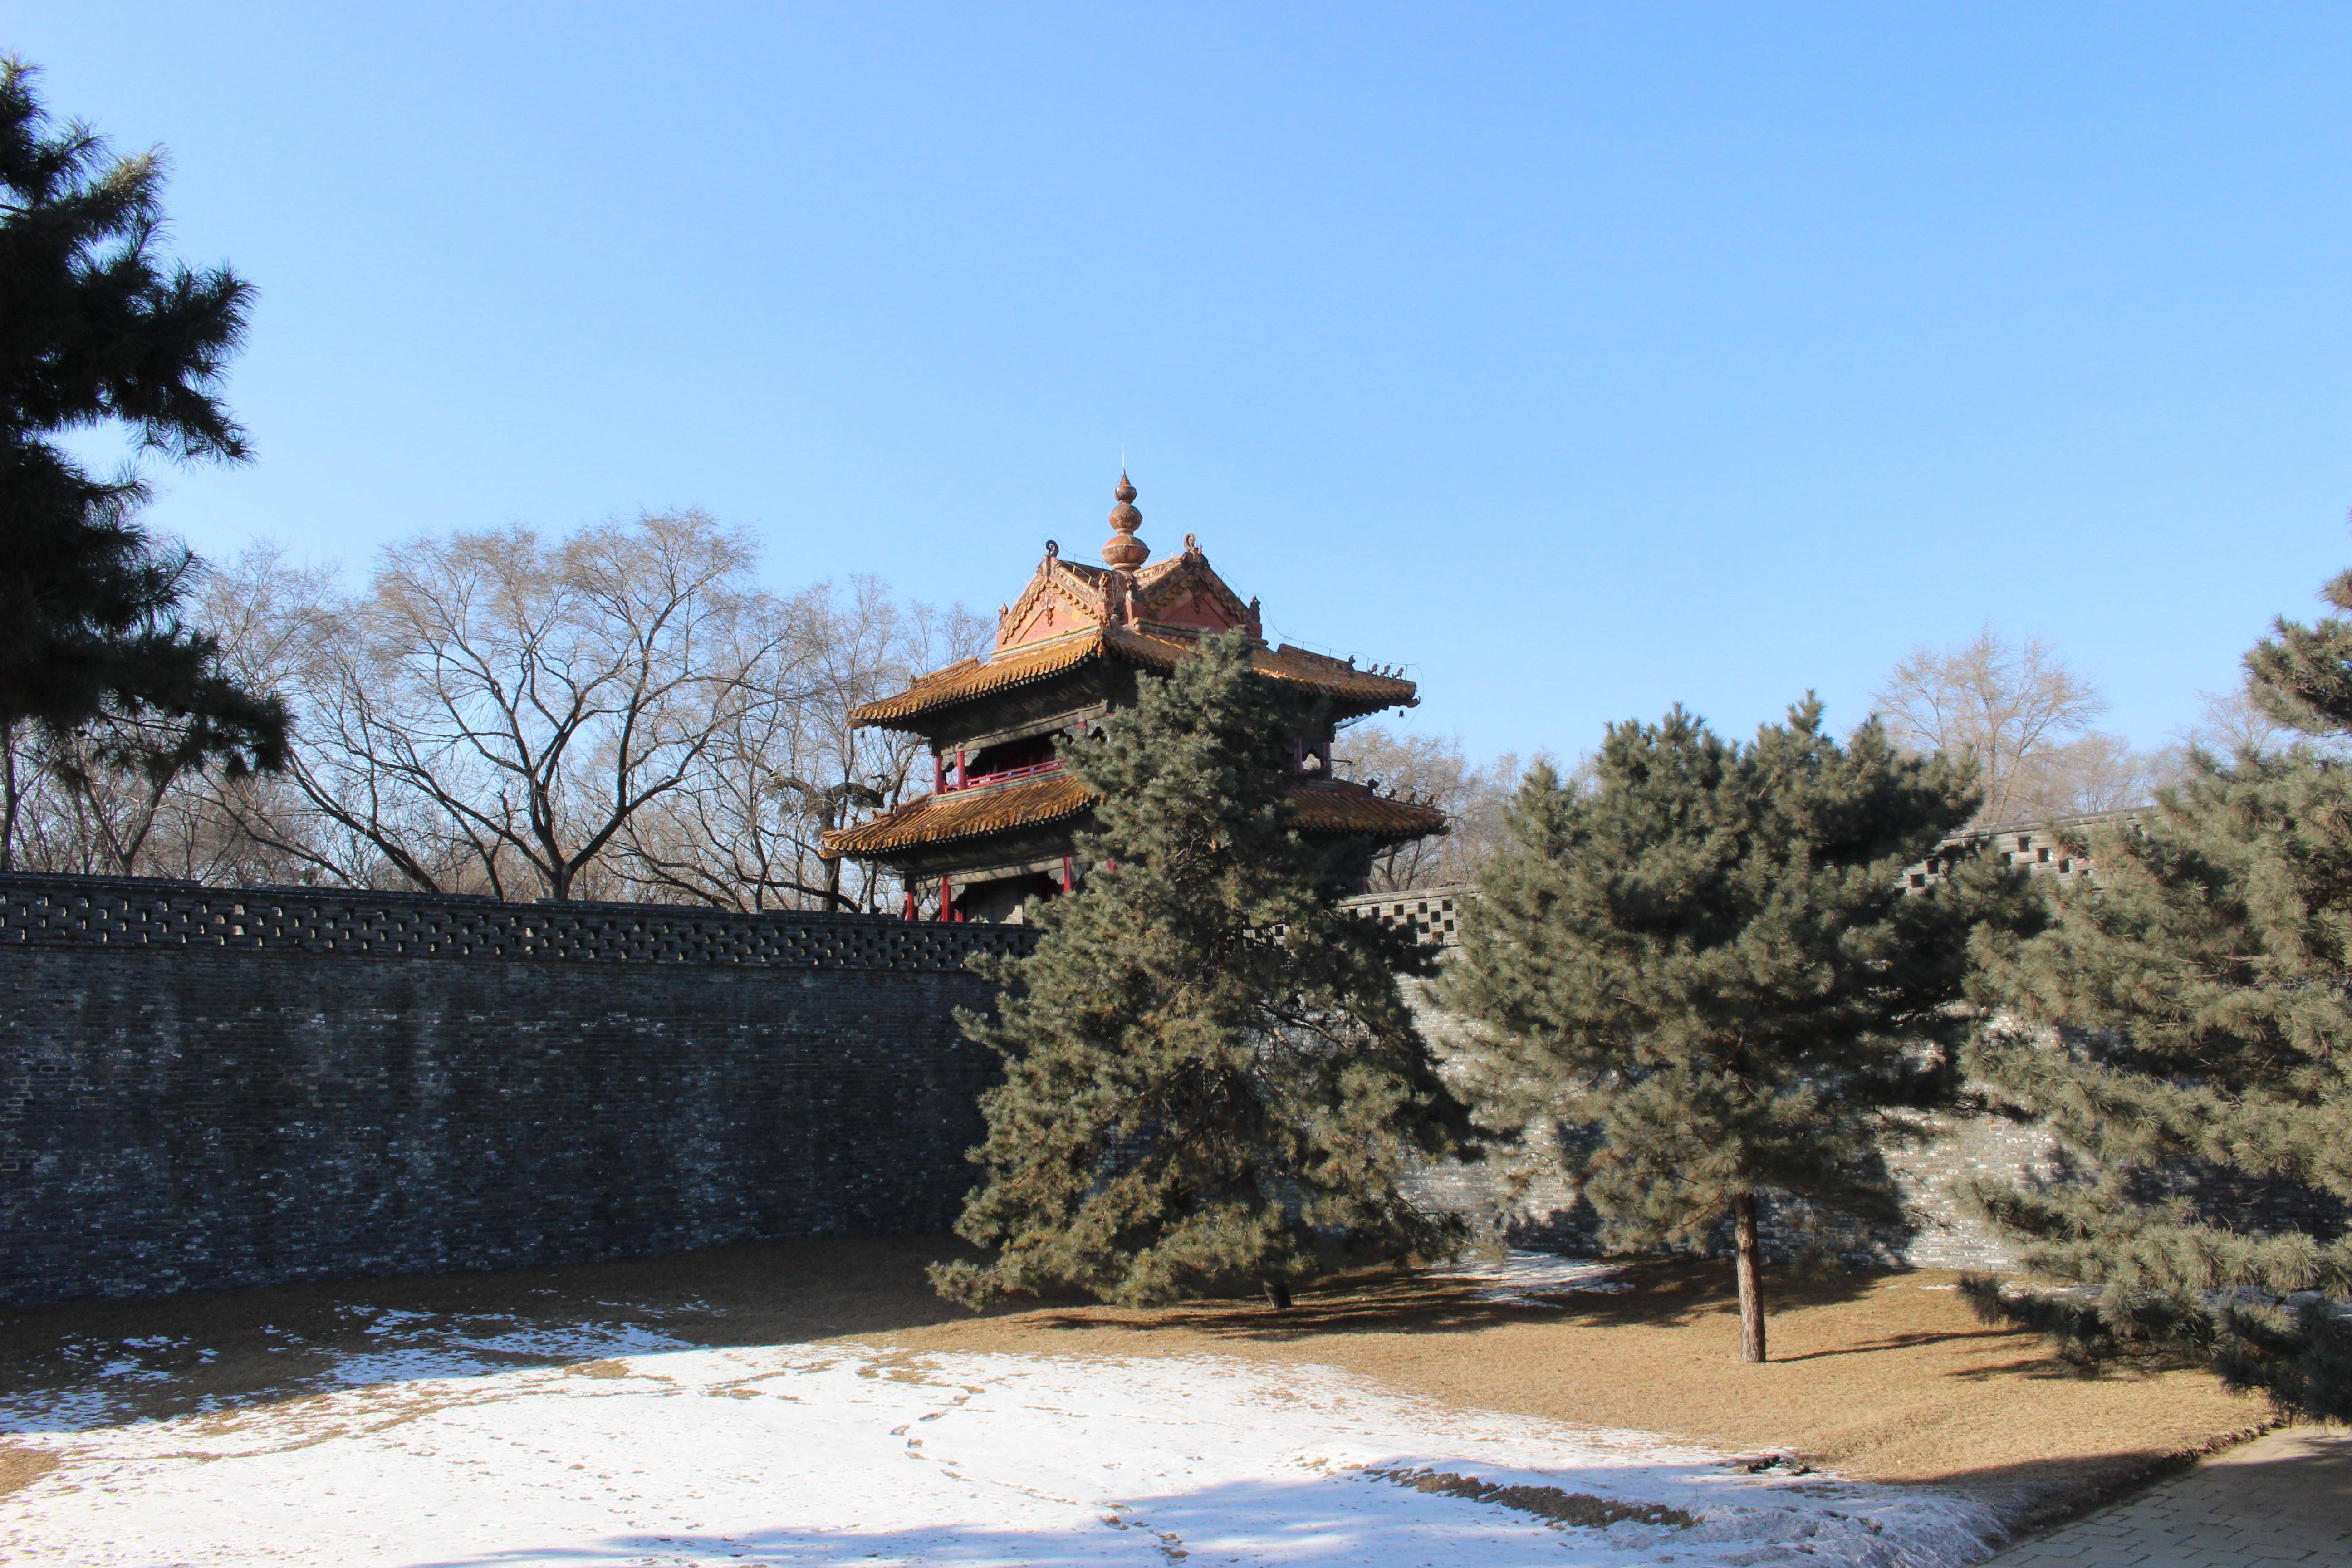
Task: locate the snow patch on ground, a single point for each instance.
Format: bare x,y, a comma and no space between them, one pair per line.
100,1386
473,1354
850,1454
1524,1279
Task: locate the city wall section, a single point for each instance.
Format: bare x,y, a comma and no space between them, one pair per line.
208,1088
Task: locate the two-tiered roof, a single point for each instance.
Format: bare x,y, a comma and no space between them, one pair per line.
998,824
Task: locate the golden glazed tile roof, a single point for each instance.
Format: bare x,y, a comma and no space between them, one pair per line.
1325,805
1331,806
1355,691
963,813
964,681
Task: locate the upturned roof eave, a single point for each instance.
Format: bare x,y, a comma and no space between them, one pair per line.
1326,809
1352,693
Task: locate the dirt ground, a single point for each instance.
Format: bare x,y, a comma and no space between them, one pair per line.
1885,1377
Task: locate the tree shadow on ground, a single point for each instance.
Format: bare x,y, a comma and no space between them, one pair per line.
2037,1495
94,1363
1904,1342
97,1362
1364,1517
1668,1292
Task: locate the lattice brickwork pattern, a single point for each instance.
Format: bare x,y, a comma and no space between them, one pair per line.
1433,913
140,913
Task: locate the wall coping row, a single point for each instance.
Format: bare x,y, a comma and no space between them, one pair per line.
134,914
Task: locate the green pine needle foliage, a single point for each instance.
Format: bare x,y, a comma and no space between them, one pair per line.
1211,1080
1706,958
97,330
2203,1030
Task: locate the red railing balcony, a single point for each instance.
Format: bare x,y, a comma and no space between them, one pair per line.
949,782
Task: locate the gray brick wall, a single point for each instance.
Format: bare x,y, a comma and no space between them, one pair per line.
203,1089
357,1083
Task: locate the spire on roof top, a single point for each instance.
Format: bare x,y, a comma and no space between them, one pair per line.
1122,550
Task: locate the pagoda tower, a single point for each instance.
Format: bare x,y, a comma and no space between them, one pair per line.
1000,823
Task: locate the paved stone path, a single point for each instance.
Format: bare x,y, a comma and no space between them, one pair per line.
2285,1499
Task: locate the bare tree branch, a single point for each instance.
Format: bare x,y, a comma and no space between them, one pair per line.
2000,703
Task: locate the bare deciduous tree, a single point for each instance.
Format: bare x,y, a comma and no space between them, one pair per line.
2093,773
2232,721
1432,771
126,792
1429,770
622,714
746,830
871,647
1997,702
495,708
107,785
2023,716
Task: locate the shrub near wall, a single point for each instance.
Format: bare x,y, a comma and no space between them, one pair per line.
206,1087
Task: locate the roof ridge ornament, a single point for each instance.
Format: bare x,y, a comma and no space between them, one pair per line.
1122,552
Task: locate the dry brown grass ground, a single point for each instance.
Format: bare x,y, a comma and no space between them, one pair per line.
1882,1377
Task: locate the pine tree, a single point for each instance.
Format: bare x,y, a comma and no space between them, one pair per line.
1706,958
1211,1075
95,330
2185,1024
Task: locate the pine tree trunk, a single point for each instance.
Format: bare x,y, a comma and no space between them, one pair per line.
8,796
1277,1291
1751,1284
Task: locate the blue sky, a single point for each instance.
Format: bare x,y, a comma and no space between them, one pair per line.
1581,358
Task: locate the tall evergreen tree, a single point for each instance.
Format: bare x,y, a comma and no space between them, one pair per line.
1708,959
96,329
1211,1076
2187,1026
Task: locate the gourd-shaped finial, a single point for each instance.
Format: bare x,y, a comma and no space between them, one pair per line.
1123,550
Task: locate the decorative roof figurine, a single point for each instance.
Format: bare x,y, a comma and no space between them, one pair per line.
999,823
